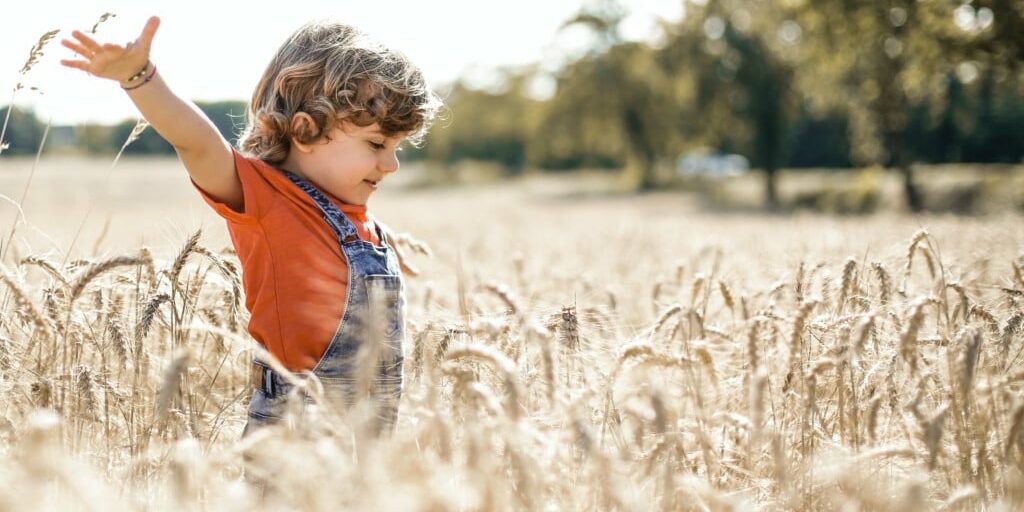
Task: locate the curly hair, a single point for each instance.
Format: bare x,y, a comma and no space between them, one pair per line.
334,73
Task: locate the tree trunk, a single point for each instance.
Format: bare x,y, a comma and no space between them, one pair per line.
911,193
642,154
638,175
771,191
895,127
647,181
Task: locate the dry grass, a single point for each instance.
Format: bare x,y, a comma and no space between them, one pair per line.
602,353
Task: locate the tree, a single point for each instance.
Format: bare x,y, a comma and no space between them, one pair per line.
487,124
226,116
876,61
24,131
617,97
744,93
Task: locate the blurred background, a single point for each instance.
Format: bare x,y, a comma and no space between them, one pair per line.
835,106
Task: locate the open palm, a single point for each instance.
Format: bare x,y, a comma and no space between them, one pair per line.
110,60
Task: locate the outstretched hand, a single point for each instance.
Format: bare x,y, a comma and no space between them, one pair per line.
110,60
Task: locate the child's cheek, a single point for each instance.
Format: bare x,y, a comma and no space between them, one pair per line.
369,163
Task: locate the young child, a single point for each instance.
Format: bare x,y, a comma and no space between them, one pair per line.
322,279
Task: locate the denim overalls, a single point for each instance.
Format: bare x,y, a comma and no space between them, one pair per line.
374,312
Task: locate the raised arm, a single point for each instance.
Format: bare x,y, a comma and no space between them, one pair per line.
204,152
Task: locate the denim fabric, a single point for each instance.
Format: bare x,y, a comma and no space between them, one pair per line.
374,313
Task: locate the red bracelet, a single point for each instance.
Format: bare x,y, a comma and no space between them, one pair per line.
144,82
141,73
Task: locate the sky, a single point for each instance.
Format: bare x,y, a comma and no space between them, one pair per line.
217,50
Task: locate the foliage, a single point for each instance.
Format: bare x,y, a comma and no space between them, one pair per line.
785,83
24,131
491,125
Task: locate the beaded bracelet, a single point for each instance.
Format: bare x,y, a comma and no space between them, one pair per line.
144,82
141,73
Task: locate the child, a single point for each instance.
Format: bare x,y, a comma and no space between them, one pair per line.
321,277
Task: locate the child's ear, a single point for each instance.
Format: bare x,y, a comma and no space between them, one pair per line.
303,127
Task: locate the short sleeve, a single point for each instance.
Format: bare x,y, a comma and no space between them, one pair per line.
254,189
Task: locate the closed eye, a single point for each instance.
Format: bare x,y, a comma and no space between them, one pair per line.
376,146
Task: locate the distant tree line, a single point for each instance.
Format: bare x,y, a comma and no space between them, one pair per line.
814,83
817,83
25,133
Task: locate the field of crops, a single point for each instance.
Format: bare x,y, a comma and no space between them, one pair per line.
565,351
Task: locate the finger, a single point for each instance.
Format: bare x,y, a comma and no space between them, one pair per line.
79,49
146,38
87,41
77,64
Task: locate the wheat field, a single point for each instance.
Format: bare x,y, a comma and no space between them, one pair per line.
565,351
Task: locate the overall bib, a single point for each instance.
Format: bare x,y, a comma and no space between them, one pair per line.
374,313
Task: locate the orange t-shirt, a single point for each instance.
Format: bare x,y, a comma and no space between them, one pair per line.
293,270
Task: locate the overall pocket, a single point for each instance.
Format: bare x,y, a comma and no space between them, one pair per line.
386,298
385,295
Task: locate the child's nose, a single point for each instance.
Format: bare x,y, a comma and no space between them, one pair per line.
389,163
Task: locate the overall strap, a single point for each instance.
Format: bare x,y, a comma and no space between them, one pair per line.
338,221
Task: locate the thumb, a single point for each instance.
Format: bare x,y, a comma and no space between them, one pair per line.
146,38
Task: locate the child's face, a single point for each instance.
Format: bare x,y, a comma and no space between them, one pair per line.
351,165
